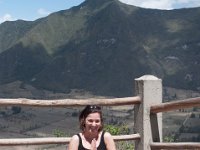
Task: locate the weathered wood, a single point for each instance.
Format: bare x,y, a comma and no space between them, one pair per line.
169,106
126,137
56,140
70,102
34,141
185,145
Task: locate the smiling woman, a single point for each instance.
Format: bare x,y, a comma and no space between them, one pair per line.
92,136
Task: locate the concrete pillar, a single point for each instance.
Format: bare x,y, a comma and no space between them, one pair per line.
149,88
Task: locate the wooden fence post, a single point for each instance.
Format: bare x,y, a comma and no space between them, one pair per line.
149,88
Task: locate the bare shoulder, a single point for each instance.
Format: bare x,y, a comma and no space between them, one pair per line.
107,135
75,138
108,139
74,142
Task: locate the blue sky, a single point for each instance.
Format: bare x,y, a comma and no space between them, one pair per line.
34,9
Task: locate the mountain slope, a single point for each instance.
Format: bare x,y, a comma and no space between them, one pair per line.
11,32
102,45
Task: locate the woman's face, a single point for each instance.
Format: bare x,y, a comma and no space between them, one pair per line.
93,122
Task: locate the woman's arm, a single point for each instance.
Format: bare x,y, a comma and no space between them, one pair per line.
74,142
110,144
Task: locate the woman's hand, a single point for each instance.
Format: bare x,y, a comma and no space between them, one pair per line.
93,145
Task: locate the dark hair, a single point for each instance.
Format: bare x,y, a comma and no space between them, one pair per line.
88,110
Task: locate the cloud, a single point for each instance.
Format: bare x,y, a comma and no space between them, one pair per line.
189,3
163,4
43,12
160,4
6,17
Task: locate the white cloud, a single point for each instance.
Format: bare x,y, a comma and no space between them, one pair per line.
43,12
6,17
163,4
189,3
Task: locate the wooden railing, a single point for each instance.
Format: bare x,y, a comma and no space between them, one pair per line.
148,108
65,103
175,105
70,102
56,140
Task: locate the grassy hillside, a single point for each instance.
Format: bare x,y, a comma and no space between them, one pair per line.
102,46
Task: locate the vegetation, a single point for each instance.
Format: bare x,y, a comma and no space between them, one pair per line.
59,133
16,109
169,138
117,130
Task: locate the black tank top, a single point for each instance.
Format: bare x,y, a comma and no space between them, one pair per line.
102,145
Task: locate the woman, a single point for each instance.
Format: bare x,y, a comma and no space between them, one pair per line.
92,136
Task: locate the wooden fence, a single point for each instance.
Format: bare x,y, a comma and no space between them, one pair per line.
148,108
169,106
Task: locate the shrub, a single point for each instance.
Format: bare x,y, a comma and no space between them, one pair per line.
16,109
59,133
116,130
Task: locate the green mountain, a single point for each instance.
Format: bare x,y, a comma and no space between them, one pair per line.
101,46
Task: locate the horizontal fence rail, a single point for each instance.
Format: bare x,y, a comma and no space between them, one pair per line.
169,106
56,140
185,145
65,103
70,102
